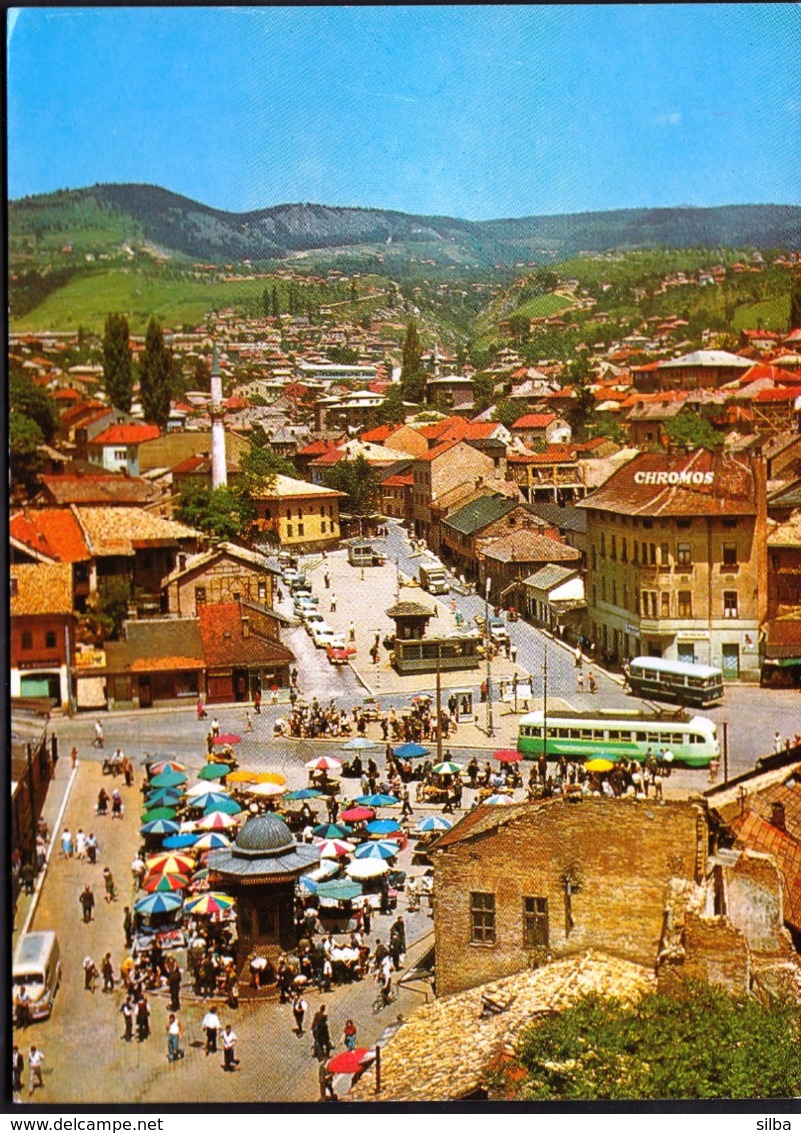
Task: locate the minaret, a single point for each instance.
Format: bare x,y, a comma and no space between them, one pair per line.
219,468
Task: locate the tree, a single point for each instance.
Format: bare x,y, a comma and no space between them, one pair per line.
412,354
700,1043
202,375
156,376
27,400
358,481
520,328
795,303
108,607
693,429
24,438
413,386
117,362
483,391
507,412
216,512
392,411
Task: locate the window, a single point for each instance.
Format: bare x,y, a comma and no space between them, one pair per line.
614,593
14,588
625,597
652,554
289,531
637,602
664,555
603,545
595,595
301,529
200,595
664,605
684,555
120,454
262,587
730,604
730,554
624,551
27,640
613,547
685,604
50,639
535,922
322,527
594,558
482,918
603,589
635,557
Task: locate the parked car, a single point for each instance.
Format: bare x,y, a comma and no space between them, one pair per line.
312,618
337,654
321,634
498,631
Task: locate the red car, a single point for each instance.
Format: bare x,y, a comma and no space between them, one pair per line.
339,654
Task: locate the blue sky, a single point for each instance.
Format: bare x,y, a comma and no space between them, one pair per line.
477,112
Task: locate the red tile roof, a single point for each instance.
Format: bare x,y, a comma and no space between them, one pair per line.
399,480
328,459
224,642
127,435
755,832
54,532
437,451
534,420
778,394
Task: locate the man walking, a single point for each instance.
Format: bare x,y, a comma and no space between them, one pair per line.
211,1025
299,1006
87,901
321,1033
35,1060
229,1048
174,1051
127,1010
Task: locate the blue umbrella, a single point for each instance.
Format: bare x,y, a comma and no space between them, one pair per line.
224,804
377,800
304,793
332,830
163,796
160,826
168,779
383,826
159,903
433,822
411,751
307,884
360,743
199,802
378,849
179,841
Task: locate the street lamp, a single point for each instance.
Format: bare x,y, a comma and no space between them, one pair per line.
487,585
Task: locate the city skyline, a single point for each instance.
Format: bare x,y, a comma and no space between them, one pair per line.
472,112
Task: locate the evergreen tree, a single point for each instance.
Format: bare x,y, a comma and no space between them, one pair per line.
795,303
276,304
412,356
117,362
265,302
157,376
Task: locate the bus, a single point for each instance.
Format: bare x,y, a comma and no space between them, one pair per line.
619,734
682,681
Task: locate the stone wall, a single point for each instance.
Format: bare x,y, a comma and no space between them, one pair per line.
601,864
714,952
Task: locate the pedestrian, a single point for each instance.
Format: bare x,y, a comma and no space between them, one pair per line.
229,1048
138,871
351,632
142,1019
321,1033
89,974
174,984
35,1060
173,1029
248,722
777,742
349,1035
98,740
127,1010
17,1068
66,843
367,912
127,927
591,681
333,603
107,971
87,902
257,702
513,654
117,809
299,1007
326,1080
327,580
215,727
579,681
74,757
211,1025
111,888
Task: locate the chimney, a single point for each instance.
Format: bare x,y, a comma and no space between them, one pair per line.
777,816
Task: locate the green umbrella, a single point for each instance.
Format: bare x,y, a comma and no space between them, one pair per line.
214,771
339,890
158,812
168,779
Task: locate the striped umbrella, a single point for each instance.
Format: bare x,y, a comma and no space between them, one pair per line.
331,830
156,882
164,796
433,822
214,771
159,903
198,789
325,869
499,800
381,849
307,884
360,743
270,777
447,768
223,805
212,840
170,862
166,765
216,820
160,826
324,763
208,903
200,874
334,848
242,776
169,779
377,800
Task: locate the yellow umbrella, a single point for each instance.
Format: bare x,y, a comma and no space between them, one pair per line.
598,765
269,777
242,777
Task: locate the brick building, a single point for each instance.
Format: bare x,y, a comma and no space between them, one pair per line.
677,562
42,632
520,883
226,573
441,468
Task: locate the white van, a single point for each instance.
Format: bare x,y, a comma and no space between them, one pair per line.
37,968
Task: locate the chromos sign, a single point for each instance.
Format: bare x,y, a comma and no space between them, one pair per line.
686,477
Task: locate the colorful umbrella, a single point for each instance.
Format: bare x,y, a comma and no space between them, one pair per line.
270,777
265,790
207,904
304,793
598,765
377,800
381,849
357,814
360,743
168,779
351,1061
218,789
159,903
507,755
159,812
165,882
339,890
307,884
332,830
447,768
223,805
242,776
160,826
325,869
383,826
367,867
206,798
216,820
170,862
163,796
226,738
433,822
200,874
411,751
179,841
214,771
334,848
499,800
324,763
212,840
166,765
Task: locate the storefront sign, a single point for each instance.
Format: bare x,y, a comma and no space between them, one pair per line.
685,477
693,635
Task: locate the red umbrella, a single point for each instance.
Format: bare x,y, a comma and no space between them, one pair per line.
351,1061
507,756
357,814
228,738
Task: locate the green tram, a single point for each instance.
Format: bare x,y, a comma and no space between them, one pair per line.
619,733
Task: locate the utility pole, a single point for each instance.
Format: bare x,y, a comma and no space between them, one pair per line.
439,705
725,751
487,585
